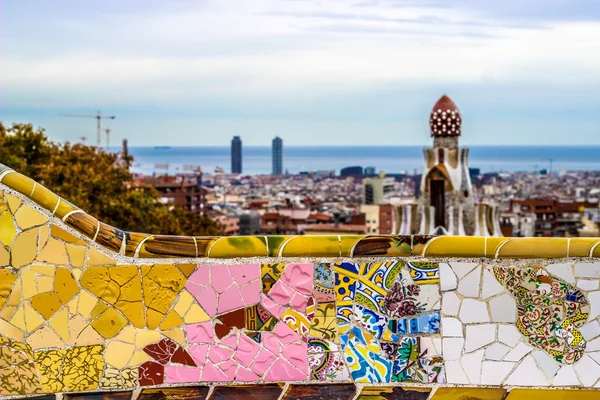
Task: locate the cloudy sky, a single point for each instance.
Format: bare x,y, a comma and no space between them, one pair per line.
322,72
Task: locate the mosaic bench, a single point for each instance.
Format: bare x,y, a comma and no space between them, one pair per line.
89,310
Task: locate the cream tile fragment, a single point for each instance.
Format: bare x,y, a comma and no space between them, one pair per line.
471,364
473,311
450,304
509,335
546,363
496,352
566,376
490,286
448,279
503,308
563,271
478,336
494,372
451,327
455,373
520,351
587,370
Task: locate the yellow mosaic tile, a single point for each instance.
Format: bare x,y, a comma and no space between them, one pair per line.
239,246
187,269
47,304
18,319
47,270
127,335
3,205
45,284
556,394
76,255
154,318
44,337
311,246
9,330
7,312
64,207
4,256
33,319
196,315
177,335
65,285
54,252
44,197
468,393
172,320
97,258
7,280
98,309
347,244
580,247
138,358
109,323
49,365
184,302
8,231
14,299
59,233
20,183
60,323
86,304
28,217
82,368
13,202
455,246
82,334
534,248
162,283
144,338
29,283
134,311
118,354
24,248
43,236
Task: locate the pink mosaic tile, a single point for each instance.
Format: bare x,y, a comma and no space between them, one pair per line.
244,375
281,293
281,370
230,299
246,351
181,374
251,293
285,334
198,353
245,273
299,277
216,354
264,359
275,309
200,333
220,278
210,373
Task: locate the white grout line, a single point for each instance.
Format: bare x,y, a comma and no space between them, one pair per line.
195,244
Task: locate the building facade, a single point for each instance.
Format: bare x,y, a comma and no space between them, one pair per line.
236,155
277,156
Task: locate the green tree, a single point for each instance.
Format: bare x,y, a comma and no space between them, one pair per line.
96,181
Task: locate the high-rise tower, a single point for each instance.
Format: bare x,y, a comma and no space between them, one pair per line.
277,156
236,155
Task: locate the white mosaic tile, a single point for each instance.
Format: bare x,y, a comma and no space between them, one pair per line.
473,311
587,270
594,299
520,351
595,356
490,286
448,279
450,304
478,336
566,376
587,284
509,335
452,348
462,269
593,345
427,347
527,374
496,352
503,308
451,327
546,363
437,342
493,372
590,330
563,271
455,373
587,370
471,364
469,285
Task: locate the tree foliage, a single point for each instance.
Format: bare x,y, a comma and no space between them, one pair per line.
96,181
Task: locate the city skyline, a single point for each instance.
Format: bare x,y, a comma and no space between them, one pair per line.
344,72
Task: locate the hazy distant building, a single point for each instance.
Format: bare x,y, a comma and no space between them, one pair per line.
236,155
374,189
277,156
249,224
351,171
370,171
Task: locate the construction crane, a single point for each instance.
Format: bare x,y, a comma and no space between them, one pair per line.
98,118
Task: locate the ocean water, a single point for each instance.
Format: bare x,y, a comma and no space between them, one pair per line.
391,159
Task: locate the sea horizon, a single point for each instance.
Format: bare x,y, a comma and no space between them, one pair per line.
391,159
